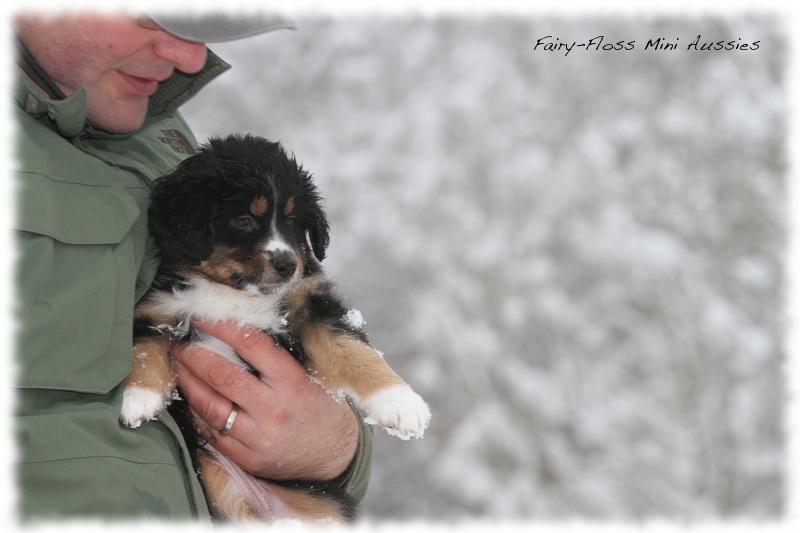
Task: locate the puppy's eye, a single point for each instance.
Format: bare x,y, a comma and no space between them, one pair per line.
244,222
290,220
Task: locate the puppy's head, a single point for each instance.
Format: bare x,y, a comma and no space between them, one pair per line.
242,212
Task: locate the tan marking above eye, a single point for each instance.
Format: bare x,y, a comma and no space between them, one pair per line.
289,207
258,206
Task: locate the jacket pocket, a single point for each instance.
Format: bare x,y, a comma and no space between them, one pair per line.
75,279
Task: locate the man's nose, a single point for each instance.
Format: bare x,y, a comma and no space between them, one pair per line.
187,56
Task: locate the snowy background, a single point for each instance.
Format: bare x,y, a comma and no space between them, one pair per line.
576,259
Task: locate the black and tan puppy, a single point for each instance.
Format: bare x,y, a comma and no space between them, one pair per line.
241,234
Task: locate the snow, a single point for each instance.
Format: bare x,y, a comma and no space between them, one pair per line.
354,319
577,261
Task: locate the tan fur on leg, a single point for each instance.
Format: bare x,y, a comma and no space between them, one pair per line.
222,492
344,364
151,367
308,508
253,499
151,384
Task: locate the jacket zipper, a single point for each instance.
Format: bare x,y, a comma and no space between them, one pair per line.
187,482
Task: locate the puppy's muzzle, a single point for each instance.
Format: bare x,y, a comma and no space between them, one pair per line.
284,264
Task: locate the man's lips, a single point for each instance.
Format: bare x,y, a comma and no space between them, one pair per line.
139,86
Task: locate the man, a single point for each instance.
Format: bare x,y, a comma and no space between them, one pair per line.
97,121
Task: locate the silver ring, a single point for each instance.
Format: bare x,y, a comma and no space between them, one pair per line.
231,419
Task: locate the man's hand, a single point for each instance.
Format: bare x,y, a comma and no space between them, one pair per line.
288,427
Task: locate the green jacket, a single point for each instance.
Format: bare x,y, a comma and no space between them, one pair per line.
84,259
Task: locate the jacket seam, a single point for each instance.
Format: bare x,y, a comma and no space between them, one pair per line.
57,179
100,456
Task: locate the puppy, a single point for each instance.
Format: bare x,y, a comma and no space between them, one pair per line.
241,234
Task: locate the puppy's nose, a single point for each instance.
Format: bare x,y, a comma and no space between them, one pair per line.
284,264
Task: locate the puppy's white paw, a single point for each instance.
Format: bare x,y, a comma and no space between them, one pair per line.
140,405
400,410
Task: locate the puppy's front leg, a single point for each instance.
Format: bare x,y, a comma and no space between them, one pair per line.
151,384
341,360
346,365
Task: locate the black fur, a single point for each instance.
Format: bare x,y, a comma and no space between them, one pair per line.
226,175
191,214
241,233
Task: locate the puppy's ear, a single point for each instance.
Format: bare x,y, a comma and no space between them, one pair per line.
180,220
319,233
316,223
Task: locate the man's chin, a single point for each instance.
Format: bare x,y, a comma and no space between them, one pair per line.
126,118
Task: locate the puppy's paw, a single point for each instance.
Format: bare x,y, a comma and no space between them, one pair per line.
140,405
400,410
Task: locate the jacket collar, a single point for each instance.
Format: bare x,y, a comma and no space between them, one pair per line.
28,64
38,96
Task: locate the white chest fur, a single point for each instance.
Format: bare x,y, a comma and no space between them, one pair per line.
204,300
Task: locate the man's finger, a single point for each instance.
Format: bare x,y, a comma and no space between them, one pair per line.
211,383
258,349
